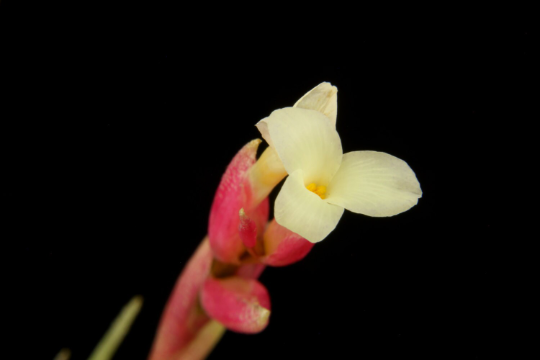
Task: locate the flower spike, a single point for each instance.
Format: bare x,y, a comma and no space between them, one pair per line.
218,288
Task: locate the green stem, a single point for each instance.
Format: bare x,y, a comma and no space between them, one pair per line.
112,339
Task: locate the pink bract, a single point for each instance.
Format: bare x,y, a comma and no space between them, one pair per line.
284,247
240,304
234,193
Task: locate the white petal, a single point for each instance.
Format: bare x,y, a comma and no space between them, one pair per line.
304,212
262,126
375,184
322,98
304,139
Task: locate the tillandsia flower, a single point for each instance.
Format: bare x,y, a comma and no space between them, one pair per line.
323,181
218,289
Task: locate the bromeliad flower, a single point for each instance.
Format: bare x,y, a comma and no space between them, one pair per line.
218,288
323,181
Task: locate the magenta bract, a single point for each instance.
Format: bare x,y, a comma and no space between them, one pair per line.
247,229
234,193
240,304
284,247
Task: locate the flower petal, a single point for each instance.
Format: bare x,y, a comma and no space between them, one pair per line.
262,126
307,140
304,212
375,184
322,98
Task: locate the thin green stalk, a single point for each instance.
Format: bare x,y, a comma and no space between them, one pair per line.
112,339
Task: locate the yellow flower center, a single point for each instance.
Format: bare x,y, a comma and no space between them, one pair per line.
319,190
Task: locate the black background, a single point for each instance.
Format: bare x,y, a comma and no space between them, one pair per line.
115,141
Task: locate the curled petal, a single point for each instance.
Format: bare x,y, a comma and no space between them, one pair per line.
234,193
304,212
375,184
241,305
284,247
322,98
262,126
307,140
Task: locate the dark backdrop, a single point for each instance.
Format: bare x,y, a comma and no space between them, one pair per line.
115,143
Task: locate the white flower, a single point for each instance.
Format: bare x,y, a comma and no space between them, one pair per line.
322,180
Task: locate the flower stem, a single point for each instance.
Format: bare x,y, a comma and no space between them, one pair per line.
185,331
